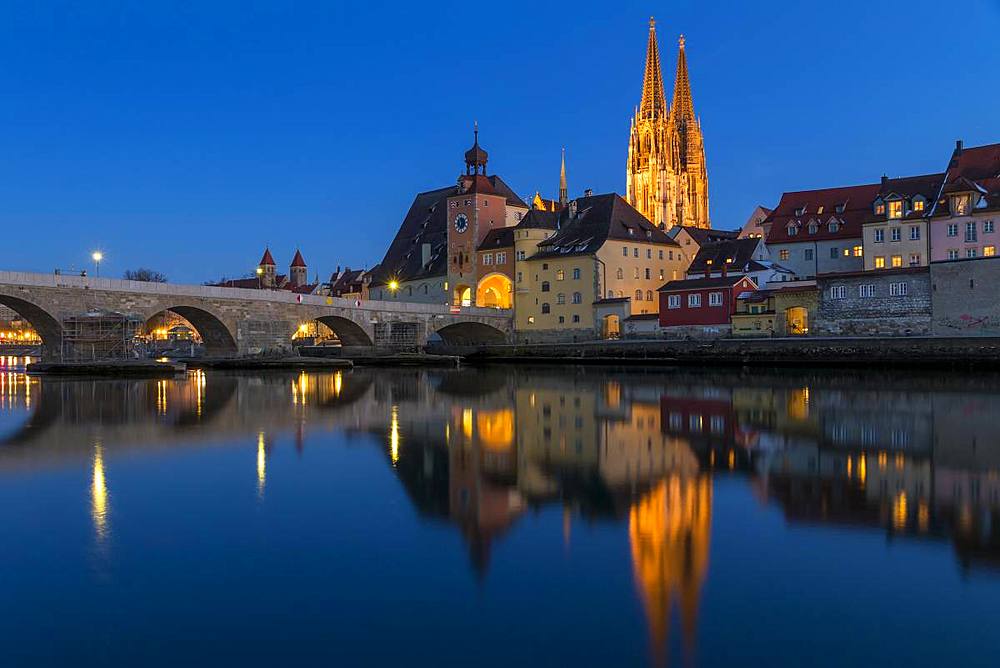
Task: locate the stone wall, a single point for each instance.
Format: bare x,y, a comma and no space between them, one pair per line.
964,295
884,313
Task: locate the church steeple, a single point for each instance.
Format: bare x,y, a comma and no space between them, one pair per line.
654,104
563,190
682,107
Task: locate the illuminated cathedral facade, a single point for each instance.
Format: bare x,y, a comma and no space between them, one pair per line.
667,180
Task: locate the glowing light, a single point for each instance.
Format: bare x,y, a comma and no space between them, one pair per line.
732,460
394,285
161,397
496,429
923,515
99,495
394,436
97,256
261,464
862,469
883,460
338,383
900,511
260,270
467,423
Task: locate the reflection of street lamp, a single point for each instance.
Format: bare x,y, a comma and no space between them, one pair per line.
97,256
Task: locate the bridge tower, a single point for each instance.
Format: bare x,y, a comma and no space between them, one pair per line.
266,270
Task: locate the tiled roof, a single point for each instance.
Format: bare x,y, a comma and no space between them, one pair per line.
740,251
700,283
849,206
498,237
977,163
297,261
267,259
538,219
702,235
927,186
599,218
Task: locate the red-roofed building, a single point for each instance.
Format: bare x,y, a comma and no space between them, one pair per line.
965,217
703,305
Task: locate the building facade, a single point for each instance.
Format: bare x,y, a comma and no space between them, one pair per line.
702,306
666,176
963,222
890,302
896,234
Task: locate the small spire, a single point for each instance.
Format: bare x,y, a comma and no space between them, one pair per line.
563,190
654,104
682,107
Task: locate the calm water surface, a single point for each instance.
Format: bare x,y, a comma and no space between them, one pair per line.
499,517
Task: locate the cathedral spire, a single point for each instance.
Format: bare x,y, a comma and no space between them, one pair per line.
654,104
563,190
682,108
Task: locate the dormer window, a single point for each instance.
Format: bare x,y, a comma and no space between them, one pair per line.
896,208
813,228
879,207
960,205
649,234
792,229
631,232
840,209
800,211
919,203
834,226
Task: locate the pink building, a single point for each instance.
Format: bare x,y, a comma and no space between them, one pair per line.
964,219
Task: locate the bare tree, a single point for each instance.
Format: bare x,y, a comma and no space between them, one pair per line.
145,275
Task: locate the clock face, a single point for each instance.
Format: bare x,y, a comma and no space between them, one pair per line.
461,223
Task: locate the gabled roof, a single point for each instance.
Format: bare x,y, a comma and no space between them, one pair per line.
597,219
799,208
498,237
297,261
267,259
701,235
702,283
538,219
908,188
977,163
740,251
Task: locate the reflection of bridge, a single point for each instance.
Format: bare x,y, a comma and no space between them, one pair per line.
234,321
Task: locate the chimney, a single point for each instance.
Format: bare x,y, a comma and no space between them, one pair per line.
885,179
338,270
958,147
425,253
588,193
725,267
572,209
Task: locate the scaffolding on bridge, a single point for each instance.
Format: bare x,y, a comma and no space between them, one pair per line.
100,335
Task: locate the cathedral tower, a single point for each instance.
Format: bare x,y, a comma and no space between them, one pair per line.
667,180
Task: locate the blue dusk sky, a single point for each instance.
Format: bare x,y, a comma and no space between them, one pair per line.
186,136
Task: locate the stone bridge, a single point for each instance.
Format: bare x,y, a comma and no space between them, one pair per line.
241,322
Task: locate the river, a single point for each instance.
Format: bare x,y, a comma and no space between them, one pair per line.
501,516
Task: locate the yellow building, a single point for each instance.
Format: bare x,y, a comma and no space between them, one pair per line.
603,249
667,180
896,233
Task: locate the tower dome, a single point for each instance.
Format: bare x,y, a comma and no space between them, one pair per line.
476,157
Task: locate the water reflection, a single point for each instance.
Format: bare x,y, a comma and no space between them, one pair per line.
914,456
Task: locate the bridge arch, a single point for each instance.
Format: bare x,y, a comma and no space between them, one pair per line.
349,332
471,333
46,325
216,336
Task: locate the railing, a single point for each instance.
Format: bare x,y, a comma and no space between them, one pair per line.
213,292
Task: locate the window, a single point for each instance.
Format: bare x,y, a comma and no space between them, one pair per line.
520,255
847,252
988,227
661,253
952,253
625,251
859,251
809,254
989,251
562,319
631,232
670,254
813,228
531,320
621,274
970,233
635,252
648,274
834,253
638,295
577,298
834,226
897,233
488,258
866,291
635,272
879,208
952,229
501,258
838,292
896,209
520,276
545,286
970,252
715,299
546,308
545,266
694,300
960,205
649,253
661,274
576,273
792,230
576,318
649,295
561,298
783,254
918,204
560,275
897,260
914,259
914,233
673,301
897,289
879,236
879,262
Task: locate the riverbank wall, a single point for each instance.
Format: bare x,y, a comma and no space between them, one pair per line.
908,352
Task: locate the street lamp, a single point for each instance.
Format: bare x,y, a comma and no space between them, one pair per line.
260,270
97,256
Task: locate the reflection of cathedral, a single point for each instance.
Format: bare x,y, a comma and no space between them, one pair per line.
669,533
667,178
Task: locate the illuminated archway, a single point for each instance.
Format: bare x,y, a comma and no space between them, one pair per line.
471,333
611,328
46,325
462,296
349,332
494,291
797,321
215,336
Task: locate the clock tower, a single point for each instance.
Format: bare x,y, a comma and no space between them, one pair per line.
473,211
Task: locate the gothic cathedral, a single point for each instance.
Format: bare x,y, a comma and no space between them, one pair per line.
667,178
